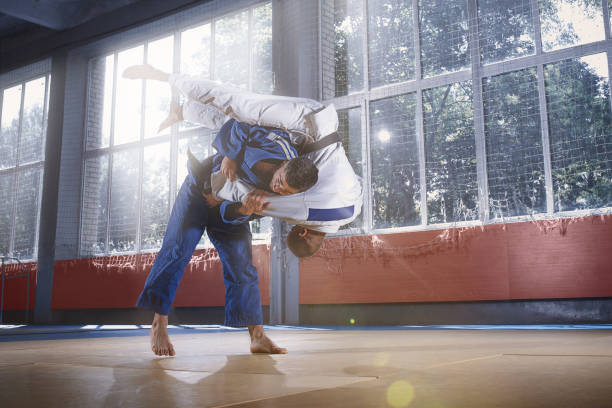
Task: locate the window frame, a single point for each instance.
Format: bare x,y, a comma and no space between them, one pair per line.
174,137
18,168
476,73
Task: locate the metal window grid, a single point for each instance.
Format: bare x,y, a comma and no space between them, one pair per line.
476,73
19,168
176,134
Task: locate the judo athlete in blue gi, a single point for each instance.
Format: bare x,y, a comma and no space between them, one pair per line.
311,127
264,158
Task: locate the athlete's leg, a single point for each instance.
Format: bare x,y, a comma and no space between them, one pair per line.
175,115
194,112
294,115
282,112
242,298
203,114
185,228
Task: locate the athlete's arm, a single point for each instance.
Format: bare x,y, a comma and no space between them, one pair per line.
239,212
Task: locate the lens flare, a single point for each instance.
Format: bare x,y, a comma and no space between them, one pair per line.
384,135
400,394
352,320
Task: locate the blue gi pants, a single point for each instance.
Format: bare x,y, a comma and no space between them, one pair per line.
189,218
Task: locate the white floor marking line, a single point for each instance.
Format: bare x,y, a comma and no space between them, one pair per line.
464,361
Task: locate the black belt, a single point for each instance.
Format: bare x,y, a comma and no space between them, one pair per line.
201,171
321,143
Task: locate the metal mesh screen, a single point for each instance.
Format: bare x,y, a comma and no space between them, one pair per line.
515,160
131,170
509,112
578,102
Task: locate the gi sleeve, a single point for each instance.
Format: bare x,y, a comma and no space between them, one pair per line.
231,139
229,215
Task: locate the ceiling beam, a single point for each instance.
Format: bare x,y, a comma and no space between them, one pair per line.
60,14
35,45
37,12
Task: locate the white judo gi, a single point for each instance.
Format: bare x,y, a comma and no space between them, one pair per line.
336,198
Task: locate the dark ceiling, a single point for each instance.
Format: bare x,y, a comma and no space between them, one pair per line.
34,29
19,16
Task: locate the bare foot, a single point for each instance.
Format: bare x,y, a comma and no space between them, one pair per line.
260,343
175,116
145,71
160,342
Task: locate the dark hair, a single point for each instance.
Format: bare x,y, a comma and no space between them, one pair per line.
301,173
300,247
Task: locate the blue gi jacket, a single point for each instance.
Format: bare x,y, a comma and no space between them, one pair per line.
248,144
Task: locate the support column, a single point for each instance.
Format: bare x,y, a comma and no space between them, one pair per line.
284,278
48,207
296,69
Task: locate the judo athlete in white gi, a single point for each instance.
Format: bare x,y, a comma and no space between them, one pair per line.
334,203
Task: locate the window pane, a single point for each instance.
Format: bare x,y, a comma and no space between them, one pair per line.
7,181
100,102
515,161
348,46
129,98
450,154
124,199
9,129
505,29
95,206
155,195
195,57
201,148
261,228
391,41
570,22
444,36
157,98
195,51
577,94
395,162
26,212
262,49
32,139
349,129
232,49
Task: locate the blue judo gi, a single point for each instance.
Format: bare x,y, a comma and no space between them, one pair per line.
191,216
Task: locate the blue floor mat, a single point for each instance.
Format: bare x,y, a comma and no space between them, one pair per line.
10,333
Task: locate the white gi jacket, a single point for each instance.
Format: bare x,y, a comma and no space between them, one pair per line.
334,201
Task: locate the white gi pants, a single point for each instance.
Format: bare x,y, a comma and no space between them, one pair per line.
306,120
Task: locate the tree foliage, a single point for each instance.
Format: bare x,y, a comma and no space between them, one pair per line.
577,101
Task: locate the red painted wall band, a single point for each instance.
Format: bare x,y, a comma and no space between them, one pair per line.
116,282
496,262
15,287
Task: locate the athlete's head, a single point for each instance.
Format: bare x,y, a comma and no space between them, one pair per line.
294,176
304,242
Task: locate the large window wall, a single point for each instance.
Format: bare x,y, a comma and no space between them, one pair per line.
461,112
132,171
23,118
